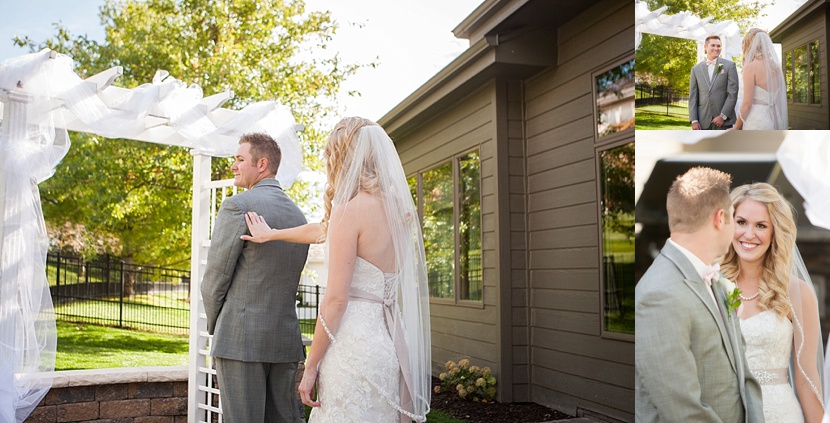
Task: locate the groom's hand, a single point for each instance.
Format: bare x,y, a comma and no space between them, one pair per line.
696,126
718,121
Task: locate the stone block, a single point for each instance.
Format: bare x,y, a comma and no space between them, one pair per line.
151,390
71,394
77,412
180,389
118,391
43,414
125,408
174,406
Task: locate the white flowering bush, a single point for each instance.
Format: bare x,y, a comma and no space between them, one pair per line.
470,382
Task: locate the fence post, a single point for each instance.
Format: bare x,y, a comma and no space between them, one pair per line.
121,300
316,301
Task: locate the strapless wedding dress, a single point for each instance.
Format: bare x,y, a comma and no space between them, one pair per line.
769,343
359,375
759,117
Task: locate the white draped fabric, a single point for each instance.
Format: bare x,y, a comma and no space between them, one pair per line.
685,25
42,98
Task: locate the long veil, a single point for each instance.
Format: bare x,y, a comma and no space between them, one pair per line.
373,149
31,145
807,359
761,48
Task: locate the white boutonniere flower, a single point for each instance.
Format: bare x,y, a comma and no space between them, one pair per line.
719,68
733,297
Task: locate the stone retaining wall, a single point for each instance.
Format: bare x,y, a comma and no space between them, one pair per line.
126,395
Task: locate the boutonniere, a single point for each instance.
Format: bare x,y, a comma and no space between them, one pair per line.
733,297
719,68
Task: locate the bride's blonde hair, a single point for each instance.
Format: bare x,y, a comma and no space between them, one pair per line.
778,259
339,157
747,42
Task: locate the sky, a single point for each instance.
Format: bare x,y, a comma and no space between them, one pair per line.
410,39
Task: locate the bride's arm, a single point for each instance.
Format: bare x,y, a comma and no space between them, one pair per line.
749,92
310,233
342,238
809,399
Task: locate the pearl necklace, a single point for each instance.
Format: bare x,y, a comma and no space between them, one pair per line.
750,298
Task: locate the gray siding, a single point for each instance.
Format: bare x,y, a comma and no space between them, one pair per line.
803,116
464,330
571,365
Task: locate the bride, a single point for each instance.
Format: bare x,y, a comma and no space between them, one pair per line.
779,316
764,101
372,348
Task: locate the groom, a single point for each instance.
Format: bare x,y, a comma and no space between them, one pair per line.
249,292
713,89
689,351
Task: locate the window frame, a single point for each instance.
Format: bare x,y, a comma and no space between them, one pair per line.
598,149
616,135
791,84
419,206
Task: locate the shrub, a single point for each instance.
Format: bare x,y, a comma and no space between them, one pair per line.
470,382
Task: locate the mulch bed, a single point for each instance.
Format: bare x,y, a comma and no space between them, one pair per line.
492,412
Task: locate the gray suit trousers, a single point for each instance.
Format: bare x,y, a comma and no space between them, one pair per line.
244,400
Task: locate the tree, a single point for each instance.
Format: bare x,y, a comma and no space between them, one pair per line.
260,49
669,61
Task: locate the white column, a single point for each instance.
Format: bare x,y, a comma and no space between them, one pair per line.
199,387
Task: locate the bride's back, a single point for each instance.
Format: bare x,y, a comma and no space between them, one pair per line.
374,241
755,70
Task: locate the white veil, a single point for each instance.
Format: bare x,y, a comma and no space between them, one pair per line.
807,359
761,48
373,149
31,145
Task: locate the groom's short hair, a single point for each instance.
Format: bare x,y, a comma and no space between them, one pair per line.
694,196
713,36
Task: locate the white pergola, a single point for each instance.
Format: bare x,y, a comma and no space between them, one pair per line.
41,98
686,25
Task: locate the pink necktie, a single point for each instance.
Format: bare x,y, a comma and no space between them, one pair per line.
712,274
711,62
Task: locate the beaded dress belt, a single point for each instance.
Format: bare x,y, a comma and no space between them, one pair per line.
771,376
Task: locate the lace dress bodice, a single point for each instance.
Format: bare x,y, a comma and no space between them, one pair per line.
769,343
359,374
759,117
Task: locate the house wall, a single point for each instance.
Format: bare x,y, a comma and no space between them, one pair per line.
804,116
464,330
573,367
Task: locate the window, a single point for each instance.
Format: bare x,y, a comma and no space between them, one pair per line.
802,74
616,208
614,95
450,207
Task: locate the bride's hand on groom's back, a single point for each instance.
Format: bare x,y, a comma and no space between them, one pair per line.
257,227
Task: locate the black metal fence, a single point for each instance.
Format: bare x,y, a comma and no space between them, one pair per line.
111,292
660,99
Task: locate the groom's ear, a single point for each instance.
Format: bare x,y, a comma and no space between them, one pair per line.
719,219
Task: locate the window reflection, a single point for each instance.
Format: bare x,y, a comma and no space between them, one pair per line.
439,243
469,227
615,99
617,217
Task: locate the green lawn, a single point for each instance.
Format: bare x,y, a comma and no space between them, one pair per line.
654,118
82,346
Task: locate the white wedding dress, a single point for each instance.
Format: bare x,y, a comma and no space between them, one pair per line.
769,343
759,117
359,375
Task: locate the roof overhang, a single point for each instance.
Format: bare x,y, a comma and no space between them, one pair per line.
794,21
509,38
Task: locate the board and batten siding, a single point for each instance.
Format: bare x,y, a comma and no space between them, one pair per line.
810,116
463,330
571,364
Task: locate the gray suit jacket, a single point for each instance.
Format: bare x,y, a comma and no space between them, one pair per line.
250,290
689,354
709,98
